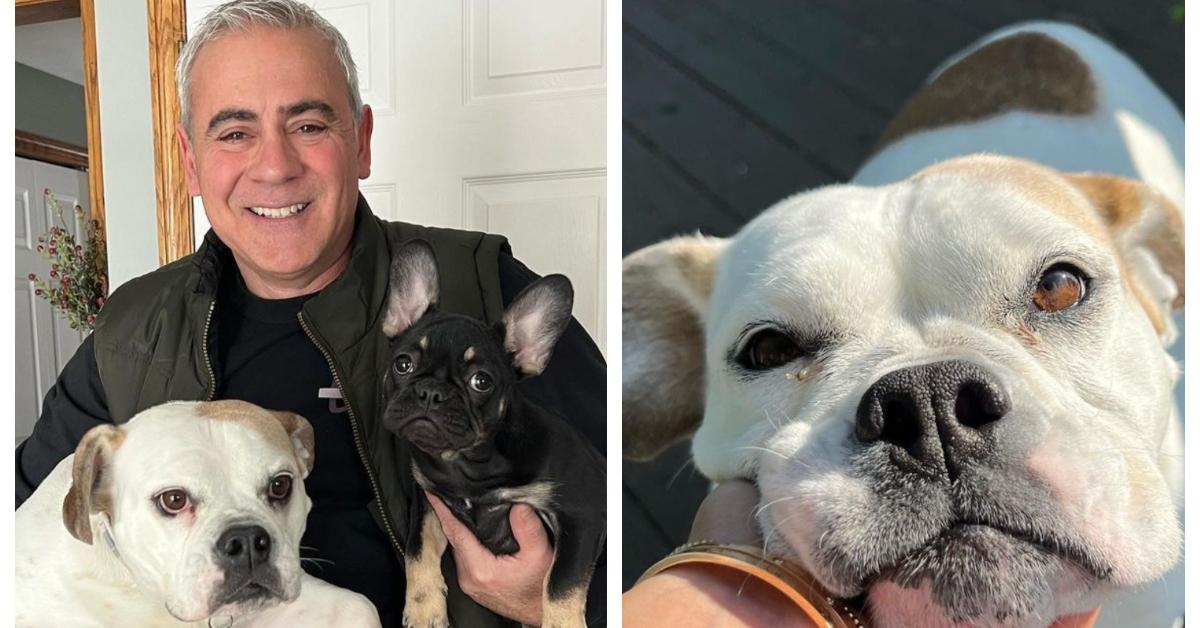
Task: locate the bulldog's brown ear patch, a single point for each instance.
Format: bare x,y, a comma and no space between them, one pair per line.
300,432
90,483
665,291
1148,229
1028,71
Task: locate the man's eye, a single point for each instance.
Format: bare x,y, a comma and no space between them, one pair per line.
233,136
311,129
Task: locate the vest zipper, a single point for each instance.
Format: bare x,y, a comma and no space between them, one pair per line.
212,376
358,442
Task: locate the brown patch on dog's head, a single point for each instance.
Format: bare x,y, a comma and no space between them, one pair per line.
296,435
1142,221
1143,227
1044,186
91,484
665,291
1025,71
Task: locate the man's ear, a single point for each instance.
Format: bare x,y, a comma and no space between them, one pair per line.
366,124
1148,230
535,320
300,433
664,290
91,484
413,286
189,160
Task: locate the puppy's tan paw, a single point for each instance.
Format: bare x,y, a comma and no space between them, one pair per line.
426,608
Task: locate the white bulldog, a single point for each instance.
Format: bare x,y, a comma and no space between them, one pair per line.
190,514
952,389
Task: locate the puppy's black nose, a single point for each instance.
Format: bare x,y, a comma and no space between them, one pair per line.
430,393
241,548
937,413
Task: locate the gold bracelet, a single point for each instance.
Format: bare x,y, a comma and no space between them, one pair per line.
799,587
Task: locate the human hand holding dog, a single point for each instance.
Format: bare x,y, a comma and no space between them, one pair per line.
508,585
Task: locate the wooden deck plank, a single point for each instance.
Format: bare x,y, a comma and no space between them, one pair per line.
818,120
743,165
803,31
654,194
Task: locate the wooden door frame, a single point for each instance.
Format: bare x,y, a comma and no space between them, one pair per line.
166,22
91,90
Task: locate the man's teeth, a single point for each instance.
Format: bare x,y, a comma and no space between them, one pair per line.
278,212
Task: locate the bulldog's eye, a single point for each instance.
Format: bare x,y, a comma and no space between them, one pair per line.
173,501
767,349
481,382
1060,287
403,365
280,487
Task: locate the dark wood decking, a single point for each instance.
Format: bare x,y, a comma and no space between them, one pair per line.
731,105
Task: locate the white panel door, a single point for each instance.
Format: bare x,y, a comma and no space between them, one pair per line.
44,341
489,115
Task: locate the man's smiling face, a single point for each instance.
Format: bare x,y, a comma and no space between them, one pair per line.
275,155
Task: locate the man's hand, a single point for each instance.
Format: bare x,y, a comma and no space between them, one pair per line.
508,585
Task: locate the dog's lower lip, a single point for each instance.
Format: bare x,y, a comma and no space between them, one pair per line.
1056,547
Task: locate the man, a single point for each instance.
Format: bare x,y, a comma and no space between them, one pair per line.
281,306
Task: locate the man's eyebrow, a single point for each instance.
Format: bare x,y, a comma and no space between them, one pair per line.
244,115
305,106
295,109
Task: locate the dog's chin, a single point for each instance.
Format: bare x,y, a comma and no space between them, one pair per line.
430,435
252,596
975,575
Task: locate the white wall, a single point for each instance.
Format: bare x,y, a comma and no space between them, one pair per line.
126,133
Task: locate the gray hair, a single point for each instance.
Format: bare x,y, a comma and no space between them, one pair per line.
241,16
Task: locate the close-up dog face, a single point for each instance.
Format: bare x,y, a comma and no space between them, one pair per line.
452,377
932,383
203,503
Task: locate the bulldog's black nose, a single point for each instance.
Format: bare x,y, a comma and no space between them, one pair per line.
243,547
937,412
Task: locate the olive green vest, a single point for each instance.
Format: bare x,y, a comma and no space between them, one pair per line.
154,343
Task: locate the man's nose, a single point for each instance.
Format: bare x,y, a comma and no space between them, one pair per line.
276,160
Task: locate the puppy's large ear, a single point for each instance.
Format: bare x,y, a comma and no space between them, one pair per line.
1148,229
535,320
300,433
665,290
413,287
91,485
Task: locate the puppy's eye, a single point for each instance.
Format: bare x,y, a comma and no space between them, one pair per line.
768,349
280,487
481,382
403,365
173,501
1062,286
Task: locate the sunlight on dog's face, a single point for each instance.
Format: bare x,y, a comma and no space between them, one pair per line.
173,508
951,393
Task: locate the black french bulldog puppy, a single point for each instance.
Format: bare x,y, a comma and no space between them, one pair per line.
478,444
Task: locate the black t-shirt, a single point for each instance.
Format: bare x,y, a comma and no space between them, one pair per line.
264,357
